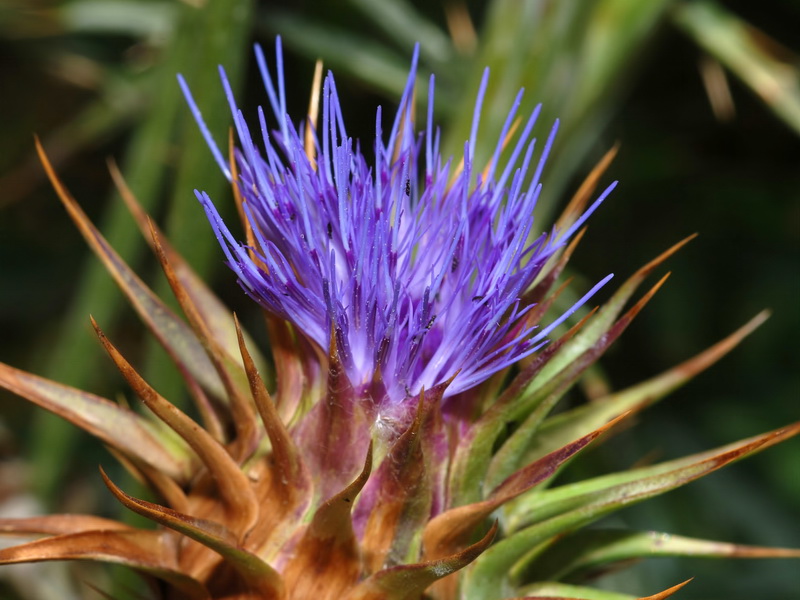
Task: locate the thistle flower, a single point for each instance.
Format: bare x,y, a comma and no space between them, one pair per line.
415,269
406,446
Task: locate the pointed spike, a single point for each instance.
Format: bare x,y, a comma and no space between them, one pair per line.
475,449
171,332
568,374
258,574
231,374
595,339
119,427
329,548
537,362
399,496
232,483
60,524
658,260
590,552
204,531
629,316
287,458
601,495
325,523
581,198
702,361
569,507
449,530
543,400
410,581
545,467
552,271
542,306
641,395
152,552
667,593
215,314
614,306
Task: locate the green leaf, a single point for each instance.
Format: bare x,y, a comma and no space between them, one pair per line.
545,591
561,428
510,455
535,519
402,22
448,531
589,551
552,589
150,19
383,68
660,477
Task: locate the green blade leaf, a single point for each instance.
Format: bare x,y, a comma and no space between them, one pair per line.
561,428
587,552
510,455
448,531
541,517
556,591
547,591
658,478
384,69
402,22
572,56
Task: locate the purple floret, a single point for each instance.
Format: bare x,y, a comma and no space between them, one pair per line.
418,270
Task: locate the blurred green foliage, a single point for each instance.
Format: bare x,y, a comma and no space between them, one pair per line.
97,78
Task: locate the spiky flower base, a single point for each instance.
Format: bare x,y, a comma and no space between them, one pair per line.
369,473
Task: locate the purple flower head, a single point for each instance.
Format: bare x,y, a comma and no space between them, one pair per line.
416,266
